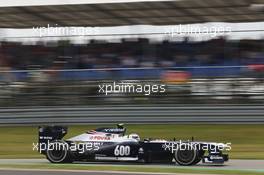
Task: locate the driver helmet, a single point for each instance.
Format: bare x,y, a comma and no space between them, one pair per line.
134,136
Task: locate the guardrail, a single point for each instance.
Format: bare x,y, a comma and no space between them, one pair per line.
194,91
132,114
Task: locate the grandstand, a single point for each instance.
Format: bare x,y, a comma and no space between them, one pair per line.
65,73
141,57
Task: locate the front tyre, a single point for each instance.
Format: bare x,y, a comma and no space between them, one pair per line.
186,156
58,152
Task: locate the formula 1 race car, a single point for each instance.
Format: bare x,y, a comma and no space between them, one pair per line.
112,144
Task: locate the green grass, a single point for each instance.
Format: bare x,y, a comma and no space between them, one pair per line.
133,168
247,140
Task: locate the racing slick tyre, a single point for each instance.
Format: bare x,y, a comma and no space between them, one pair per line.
198,157
58,152
186,156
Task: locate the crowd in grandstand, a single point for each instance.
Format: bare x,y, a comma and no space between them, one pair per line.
130,53
57,87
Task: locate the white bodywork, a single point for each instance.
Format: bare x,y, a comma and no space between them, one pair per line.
103,137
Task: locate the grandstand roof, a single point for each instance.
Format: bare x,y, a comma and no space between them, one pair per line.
135,12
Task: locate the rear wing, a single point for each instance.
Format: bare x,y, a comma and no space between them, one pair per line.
50,133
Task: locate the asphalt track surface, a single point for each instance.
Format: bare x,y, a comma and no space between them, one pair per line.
247,165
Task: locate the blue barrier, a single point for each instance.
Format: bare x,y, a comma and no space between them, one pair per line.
139,73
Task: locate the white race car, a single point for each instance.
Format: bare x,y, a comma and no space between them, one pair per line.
104,144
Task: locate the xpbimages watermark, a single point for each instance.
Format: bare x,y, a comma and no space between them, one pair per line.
56,30
183,145
184,30
129,87
75,147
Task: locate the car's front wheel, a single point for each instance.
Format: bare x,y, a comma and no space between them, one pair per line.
186,156
58,152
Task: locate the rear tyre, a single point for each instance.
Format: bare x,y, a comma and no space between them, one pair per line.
59,152
186,156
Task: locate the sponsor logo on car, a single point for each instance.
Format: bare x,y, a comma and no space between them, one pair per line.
100,138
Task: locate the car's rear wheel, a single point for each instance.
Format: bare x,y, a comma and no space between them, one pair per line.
186,156
58,152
